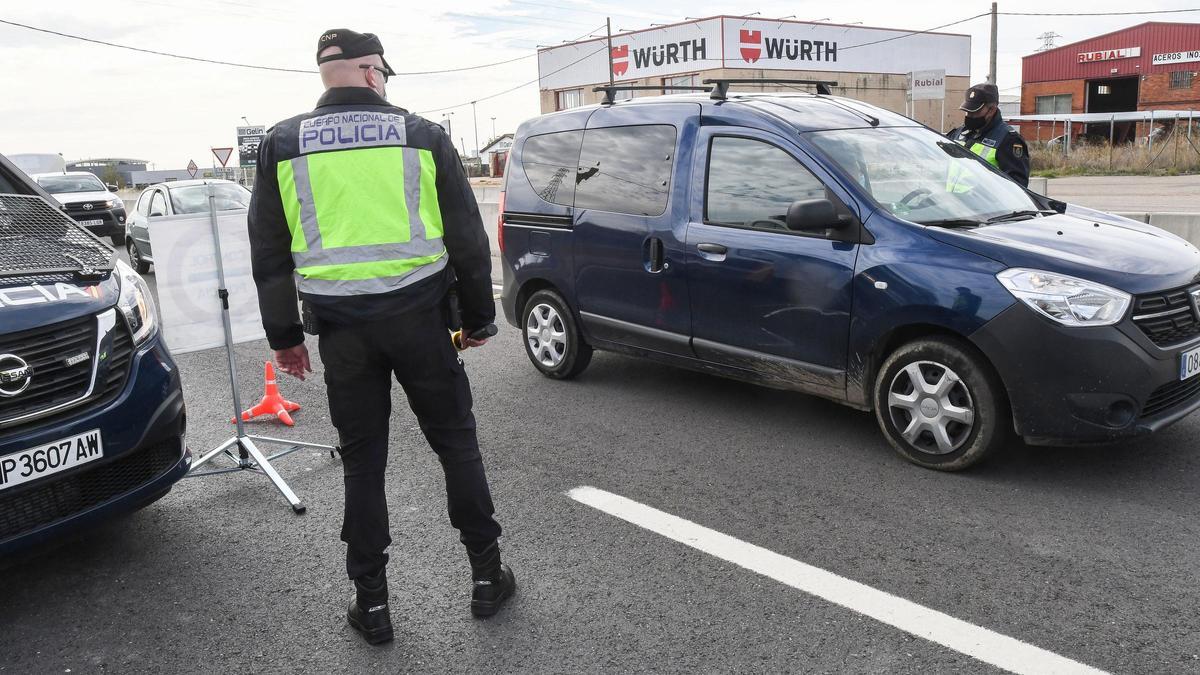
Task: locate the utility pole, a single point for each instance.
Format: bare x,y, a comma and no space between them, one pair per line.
992,57
493,128
449,130
608,22
475,117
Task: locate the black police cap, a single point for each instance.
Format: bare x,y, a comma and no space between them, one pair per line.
979,96
352,44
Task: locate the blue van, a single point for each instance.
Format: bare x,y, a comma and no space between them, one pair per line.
819,244
91,409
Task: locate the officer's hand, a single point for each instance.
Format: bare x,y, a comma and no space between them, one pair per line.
473,342
294,360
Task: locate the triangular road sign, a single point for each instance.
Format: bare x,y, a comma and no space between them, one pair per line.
222,154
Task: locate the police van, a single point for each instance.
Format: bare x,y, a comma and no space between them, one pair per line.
92,416
823,245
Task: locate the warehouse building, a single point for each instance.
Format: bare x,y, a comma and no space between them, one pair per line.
1151,66
869,64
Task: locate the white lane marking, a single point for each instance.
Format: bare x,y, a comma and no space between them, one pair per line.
974,641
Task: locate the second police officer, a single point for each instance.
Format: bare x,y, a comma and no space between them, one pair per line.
366,208
985,133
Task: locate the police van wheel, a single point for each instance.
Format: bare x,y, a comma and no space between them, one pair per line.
551,336
940,404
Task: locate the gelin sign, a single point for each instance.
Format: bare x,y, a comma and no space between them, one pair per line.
1110,54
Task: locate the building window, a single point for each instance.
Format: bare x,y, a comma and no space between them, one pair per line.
1058,104
1181,79
568,98
692,80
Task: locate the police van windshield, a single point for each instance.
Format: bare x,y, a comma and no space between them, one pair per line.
57,185
921,177
194,198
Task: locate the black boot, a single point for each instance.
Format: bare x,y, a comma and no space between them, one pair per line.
493,581
368,613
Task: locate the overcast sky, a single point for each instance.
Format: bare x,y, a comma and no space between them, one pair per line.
85,100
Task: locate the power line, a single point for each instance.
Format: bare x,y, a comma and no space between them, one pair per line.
1156,11
519,86
917,32
244,65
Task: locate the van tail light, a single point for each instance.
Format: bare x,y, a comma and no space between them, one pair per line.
500,224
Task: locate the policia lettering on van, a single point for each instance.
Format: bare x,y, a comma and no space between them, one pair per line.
985,133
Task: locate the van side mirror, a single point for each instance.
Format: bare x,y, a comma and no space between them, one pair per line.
815,214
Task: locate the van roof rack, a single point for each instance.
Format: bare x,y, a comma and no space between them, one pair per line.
38,239
720,89
610,90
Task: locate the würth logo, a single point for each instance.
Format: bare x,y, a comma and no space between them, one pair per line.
620,60
751,45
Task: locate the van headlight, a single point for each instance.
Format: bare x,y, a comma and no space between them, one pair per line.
1067,300
137,304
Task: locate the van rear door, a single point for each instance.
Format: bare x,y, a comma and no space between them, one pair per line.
630,223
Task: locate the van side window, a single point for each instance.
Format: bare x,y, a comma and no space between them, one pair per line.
550,162
626,169
751,184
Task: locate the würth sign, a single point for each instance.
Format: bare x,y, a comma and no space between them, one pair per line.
1110,54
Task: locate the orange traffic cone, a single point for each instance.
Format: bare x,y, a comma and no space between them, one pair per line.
272,403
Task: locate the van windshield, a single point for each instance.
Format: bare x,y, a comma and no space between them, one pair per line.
922,177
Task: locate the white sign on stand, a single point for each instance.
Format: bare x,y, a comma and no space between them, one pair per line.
928,85
186,272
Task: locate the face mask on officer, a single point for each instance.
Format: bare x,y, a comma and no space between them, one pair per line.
979,120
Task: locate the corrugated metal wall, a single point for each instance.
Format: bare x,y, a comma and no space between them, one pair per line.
1063,63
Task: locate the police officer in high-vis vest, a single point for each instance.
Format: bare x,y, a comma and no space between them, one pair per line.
365,209
985,133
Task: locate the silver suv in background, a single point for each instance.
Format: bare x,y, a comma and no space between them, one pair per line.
88,201
174,199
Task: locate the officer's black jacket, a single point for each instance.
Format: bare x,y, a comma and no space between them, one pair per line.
466,241
1012,153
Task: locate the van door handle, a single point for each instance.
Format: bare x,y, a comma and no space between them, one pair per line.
655,256
713,252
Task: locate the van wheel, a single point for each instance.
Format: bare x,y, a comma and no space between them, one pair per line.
552,339
940,405
135,258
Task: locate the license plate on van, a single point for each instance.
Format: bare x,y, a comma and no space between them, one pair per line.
98,221
1189,363
46,460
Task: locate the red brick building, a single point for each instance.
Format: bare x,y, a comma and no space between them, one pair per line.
1151,66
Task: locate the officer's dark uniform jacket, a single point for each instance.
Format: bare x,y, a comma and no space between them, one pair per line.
365,208
999,145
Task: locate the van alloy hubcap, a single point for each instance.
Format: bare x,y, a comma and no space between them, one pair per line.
931,407
547,335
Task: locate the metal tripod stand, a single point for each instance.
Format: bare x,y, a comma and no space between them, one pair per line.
249,457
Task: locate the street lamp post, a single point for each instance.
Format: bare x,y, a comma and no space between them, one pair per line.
449,130
493,128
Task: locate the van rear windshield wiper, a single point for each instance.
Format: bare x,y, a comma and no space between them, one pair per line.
1018,215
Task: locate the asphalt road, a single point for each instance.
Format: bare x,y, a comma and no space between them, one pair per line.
1089,553
1130,194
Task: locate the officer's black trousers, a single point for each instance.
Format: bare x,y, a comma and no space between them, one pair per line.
359,362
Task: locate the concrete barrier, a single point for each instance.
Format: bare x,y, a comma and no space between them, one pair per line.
1186,225
1040,186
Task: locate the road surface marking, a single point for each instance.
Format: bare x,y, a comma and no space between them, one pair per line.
974,641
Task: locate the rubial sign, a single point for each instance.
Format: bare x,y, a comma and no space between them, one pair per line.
1110,54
